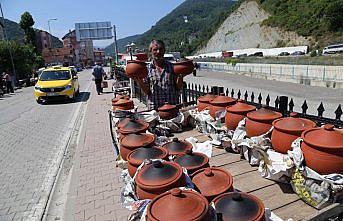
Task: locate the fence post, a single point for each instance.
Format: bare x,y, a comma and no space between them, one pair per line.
324,74
270,70
184,95
283,105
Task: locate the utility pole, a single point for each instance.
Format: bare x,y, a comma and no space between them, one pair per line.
51,43
115,43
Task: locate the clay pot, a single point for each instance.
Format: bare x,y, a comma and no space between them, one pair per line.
141,56
137,156
183,67
158,177
133,141
204,101
239,206
167,111
260,121
177,146
323,149
192,161
114,100
211,182
286,130
178,204
131,125
236,113
220,103
123,103
136,68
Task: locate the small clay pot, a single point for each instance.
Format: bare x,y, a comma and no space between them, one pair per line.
136,69
137,156
131,125
323,149
183,67
192,161
167,111
158,177
204,101
259,122
123,103
286,130
239,206
212,181
236,113
178,204
220,103
133,141
176,146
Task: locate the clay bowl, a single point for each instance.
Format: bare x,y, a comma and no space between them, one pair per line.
183,67
323,149
204,101
286,130
260,121
176,146
236,113
136,69
133,141
168,111
192,161
220,103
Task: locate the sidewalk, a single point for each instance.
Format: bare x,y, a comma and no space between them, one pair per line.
95,184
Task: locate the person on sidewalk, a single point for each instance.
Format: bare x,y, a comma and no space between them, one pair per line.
98,73
8,79
162,84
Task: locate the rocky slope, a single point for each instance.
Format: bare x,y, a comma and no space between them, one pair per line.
243,29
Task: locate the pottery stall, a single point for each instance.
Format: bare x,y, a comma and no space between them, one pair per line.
134,141
204,101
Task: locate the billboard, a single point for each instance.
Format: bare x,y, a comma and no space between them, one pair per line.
93,31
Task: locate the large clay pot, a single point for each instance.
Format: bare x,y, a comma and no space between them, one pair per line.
133,141
323,149
176,204
286,130
236,113
259,122
158,177
220,103
211,182
137,156
167,111
131,125
177,146
204,101
192,161
239,206
183,67
123,103
136,69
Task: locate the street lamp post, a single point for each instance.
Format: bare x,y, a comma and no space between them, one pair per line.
129,48
51,41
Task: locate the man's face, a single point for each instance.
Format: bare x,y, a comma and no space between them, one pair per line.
157,52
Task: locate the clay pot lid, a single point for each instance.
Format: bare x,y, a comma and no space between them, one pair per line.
222,99
133,126
137,156
240,107
326,137
177,146
137,140
206,98
212,181
239,206
192,160
293,124
263,114
123,101
158,174
118,97
167,107
178,204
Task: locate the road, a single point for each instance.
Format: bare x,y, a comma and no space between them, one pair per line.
33,139
331,98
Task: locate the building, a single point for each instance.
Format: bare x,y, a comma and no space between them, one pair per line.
44,40
99,55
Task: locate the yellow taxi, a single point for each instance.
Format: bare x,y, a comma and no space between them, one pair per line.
56,83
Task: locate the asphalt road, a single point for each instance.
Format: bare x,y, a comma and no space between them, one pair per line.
33,139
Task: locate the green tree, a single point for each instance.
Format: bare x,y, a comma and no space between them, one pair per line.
26,23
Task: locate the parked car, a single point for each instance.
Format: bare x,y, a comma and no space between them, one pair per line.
284,53
298,53
256,54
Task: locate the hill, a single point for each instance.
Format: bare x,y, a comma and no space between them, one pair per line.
109,50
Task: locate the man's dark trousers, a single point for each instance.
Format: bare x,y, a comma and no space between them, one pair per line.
98,85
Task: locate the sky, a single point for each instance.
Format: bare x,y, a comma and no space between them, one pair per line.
130,16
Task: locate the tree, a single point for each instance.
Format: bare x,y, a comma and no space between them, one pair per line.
26,23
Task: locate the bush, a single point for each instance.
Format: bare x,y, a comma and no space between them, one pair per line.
313,53
232,61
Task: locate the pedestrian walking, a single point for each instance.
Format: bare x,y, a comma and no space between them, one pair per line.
98,73
8,79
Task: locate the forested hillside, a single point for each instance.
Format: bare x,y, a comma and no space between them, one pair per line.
109,50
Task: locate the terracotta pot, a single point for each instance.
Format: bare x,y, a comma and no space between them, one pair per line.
177,205
211,182
192,161
156,178
220,103
236,113
132,125
133,141
136,68
286,130
141,56
204,101
114,100
177,146
183,67
260,121
124,103
136,157
323,149
239,206
167,111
